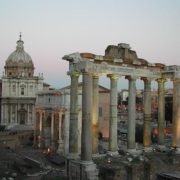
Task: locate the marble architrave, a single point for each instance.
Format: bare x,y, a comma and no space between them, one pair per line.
105,68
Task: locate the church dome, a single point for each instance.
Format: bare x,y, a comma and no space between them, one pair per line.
19,63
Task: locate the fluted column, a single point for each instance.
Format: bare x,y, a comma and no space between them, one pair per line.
161,111
147,113
73,131
131,114
95,114
60,141
86,136
113,146
52,132
176,114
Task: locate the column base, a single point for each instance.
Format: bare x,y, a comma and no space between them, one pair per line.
134,152
85,170
70,157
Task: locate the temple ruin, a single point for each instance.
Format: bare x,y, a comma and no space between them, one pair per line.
117,62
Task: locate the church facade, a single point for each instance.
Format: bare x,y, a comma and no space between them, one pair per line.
19,88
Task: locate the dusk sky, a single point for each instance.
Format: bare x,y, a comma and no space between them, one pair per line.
52,28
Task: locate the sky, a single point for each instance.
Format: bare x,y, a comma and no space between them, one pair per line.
52,28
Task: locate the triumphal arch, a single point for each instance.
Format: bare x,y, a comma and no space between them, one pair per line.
117,62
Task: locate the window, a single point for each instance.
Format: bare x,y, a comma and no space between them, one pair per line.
14,88
22,91
100,111
31,88
30,107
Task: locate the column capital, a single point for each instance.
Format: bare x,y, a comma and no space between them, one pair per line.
146,80
74,73
84,72
161,80
113,76
95,76
60,112
131,77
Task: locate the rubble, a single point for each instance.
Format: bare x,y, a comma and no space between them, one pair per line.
27,163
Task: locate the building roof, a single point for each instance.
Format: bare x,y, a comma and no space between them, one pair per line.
101,88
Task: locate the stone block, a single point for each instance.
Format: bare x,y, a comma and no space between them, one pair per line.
85,170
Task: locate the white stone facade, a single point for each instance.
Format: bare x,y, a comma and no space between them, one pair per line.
19,89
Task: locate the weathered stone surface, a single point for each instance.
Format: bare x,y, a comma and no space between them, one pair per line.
85,170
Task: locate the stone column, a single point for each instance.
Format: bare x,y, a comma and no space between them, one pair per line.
176,115
86,136
73,131
2,113
35,132
147,113
66,132
52,132
95,114
33,114
16,114
60,142
113,146
161,111
41,129
131,145
28,120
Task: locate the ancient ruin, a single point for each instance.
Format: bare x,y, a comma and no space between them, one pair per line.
118,61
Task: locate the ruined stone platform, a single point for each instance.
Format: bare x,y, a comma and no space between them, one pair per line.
146,166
